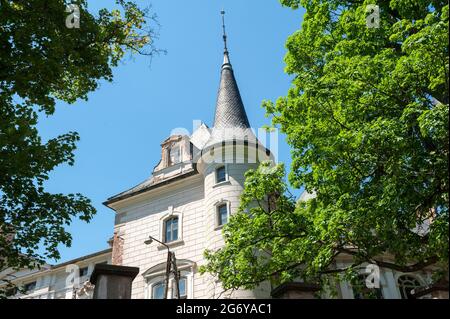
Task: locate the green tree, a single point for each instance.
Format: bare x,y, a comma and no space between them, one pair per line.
42,61
367,120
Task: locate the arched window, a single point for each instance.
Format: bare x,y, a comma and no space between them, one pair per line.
158,290
406,284
171,229
155,278
222,214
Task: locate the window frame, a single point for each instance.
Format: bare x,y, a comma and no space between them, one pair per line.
217,207
400,285
156,284
182,296
175,146
166,221
216,174
152,279
27,285
170,213
82,270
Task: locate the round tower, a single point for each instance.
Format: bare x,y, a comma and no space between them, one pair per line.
231,150
223,166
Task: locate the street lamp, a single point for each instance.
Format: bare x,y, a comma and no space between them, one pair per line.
171,265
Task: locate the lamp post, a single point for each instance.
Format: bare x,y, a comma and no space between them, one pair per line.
171,264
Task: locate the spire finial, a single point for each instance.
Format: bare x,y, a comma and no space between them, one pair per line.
224,32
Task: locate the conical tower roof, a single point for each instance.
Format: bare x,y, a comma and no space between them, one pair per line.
230,111
230,119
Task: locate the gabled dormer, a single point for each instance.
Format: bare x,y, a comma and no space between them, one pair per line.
175,150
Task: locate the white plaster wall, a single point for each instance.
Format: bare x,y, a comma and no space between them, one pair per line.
139,220
230,192
52,283
195,198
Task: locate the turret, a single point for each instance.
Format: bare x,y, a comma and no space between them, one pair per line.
231,150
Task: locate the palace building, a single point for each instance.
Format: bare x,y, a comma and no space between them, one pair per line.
183,205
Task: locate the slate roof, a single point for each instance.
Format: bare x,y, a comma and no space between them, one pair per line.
148,184
230,111
230,123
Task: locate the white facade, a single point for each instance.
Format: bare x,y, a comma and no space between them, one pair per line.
51,282
68,280
194,200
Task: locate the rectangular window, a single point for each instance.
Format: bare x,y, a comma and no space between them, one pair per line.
158,290
171,232
183,291
83,271
221,175
222,212
30,286
175,154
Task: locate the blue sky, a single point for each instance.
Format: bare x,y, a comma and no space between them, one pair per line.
123,123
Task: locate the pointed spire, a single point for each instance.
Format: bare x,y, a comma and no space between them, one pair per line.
230,111
226,57
224,32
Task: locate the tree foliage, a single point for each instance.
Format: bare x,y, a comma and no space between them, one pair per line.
42,61
367,120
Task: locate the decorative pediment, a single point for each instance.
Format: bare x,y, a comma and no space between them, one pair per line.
161,267
175,149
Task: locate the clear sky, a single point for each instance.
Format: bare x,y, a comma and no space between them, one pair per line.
124,122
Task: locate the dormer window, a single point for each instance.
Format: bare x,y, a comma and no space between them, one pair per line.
175,150
29,287
83,271
175,154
